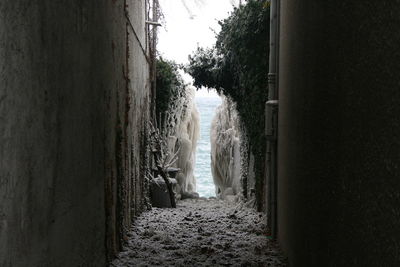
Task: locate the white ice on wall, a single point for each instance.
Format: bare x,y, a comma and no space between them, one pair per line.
185,134
225,150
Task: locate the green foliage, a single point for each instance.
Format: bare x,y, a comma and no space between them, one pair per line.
169,84
237,66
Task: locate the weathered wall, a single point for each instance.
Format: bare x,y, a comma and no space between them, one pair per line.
339,142
69,124
127,119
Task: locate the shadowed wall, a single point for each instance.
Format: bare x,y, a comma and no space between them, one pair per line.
73,105
339,125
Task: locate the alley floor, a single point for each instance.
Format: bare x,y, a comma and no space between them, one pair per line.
200,232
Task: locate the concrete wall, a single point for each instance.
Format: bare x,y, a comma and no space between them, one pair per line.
339,142
128,114
69,125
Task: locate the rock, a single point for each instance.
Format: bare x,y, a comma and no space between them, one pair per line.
159,193
230,198
192,195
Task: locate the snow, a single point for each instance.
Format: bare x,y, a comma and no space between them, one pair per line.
200,232
225,150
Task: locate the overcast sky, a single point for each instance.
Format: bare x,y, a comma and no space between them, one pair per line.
188,24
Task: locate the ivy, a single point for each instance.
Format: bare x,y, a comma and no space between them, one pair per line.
169,85
237,66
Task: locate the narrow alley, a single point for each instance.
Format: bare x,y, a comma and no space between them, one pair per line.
279,119
200,232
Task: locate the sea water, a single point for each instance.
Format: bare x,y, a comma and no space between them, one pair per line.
202,171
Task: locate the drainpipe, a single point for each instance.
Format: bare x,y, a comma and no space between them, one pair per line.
153,46
271,108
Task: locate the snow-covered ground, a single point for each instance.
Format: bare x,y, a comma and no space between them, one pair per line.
200,232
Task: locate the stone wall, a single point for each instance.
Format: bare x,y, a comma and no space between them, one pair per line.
339,124
74,101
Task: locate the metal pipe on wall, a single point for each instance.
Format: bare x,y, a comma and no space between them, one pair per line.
271,109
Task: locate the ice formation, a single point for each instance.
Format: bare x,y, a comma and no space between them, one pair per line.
225,150
184,128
